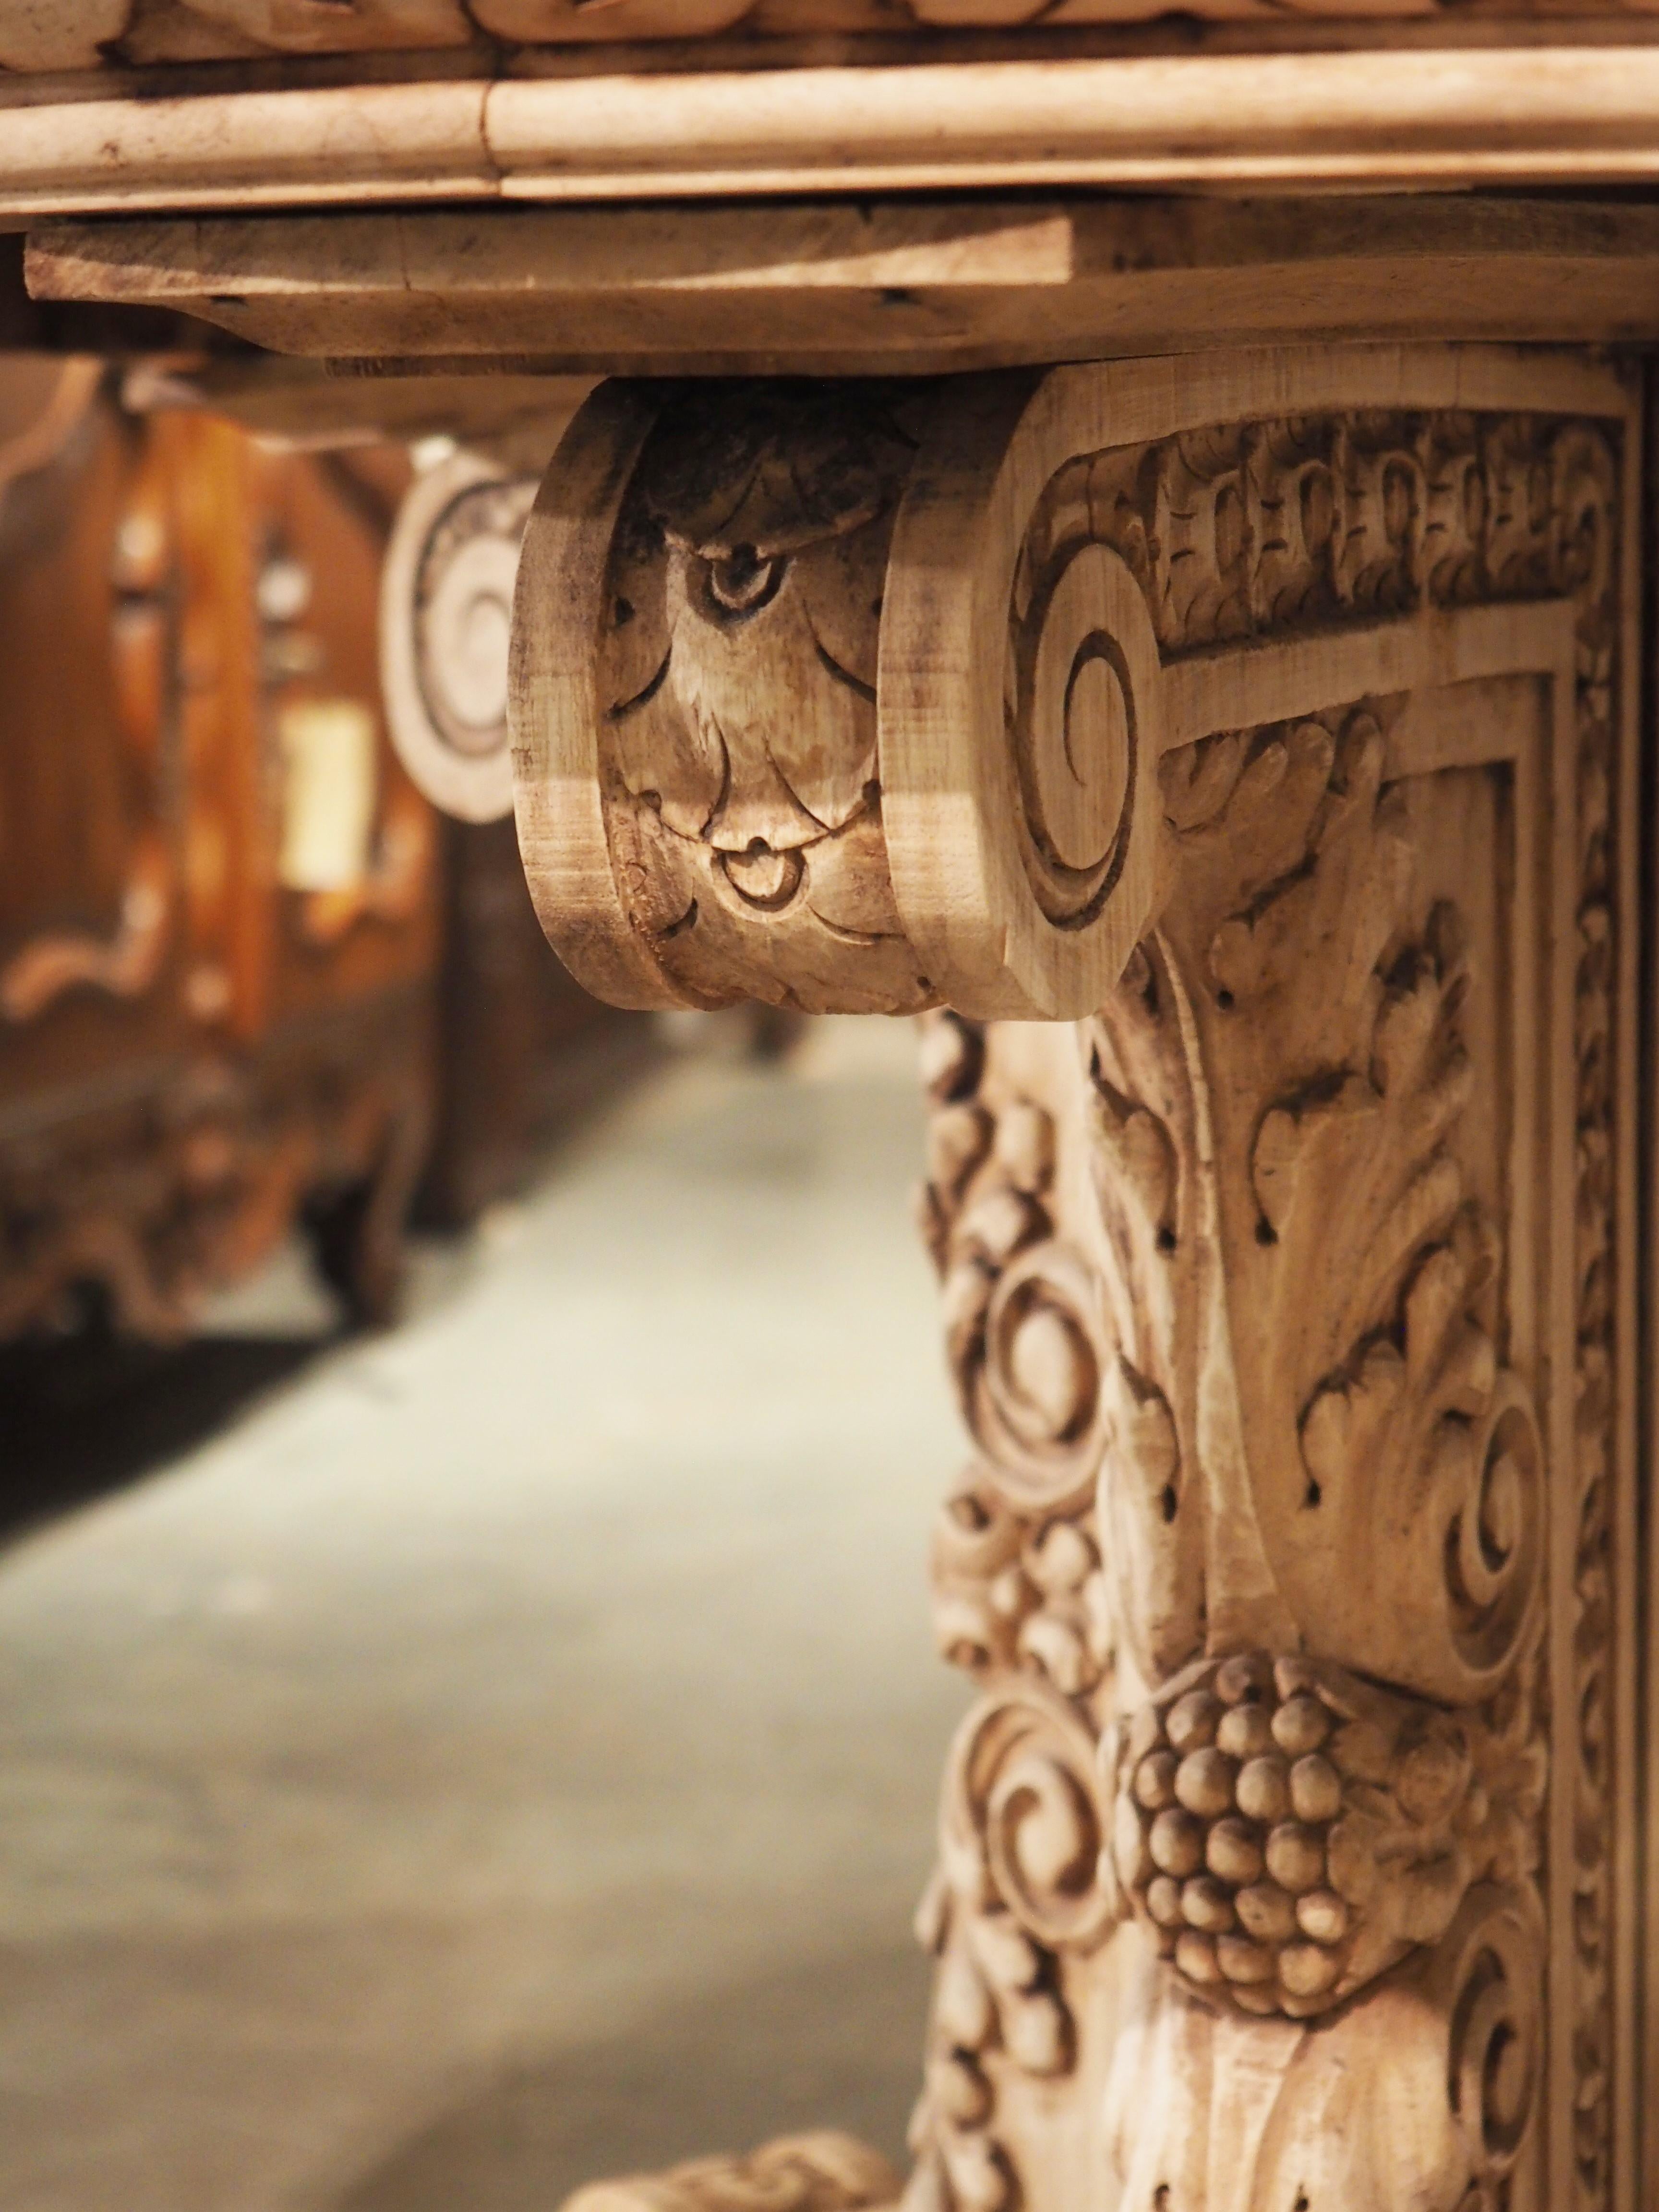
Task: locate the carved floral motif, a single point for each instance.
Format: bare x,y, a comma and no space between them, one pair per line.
1583,529
754,534
1250,528
1020,1600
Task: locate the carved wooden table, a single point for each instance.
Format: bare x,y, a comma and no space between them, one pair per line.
1189,649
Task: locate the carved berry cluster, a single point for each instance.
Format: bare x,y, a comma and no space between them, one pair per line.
1226,1820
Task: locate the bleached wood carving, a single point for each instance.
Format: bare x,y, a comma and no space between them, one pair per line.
819,2172
1278,1313
733,783
1286,1854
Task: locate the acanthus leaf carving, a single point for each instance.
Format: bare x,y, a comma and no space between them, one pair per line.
1361,1269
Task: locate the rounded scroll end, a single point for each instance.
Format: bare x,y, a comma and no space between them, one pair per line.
446,621
818,698
1024,1820
1488,1979
1022,722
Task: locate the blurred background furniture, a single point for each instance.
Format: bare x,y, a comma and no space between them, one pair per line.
219,913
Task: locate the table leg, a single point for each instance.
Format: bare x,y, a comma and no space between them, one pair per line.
1243,749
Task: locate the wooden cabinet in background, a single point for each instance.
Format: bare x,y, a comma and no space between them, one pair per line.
218,911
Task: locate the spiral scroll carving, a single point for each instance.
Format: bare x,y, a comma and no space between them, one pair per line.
1488,1977
1025,1825
1035,1395
1230,741
1495,1513
751,640
1081,664
1024,1884
447,608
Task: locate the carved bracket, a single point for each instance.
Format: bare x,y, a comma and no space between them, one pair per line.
792,723
1261,719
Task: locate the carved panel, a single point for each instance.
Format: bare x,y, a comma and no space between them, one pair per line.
769,743
1352,1619
853,697
697,646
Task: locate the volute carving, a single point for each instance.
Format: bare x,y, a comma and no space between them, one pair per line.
732,784
1264,721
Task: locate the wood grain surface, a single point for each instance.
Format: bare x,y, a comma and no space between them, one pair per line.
1397,116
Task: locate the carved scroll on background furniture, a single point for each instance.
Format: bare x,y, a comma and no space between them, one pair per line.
445,612
1265,724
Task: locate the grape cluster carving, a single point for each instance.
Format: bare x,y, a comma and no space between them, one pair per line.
1288,1831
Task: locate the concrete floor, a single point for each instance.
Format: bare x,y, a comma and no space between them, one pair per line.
506,1753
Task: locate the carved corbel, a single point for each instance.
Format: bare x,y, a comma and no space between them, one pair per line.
1263,724
797,718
